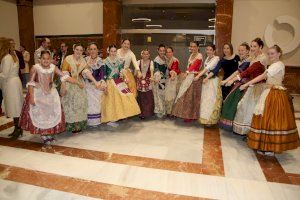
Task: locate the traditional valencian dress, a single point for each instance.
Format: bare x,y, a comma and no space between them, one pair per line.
46,117
211,96
94,95
244,113
119,102
233,98
161,74
229,67
273,126
75,100
144,87
129,58
187,102
171,85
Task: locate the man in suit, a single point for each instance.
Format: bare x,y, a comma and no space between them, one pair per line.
63,53
45,45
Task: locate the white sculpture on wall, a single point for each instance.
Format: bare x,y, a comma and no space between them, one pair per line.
294,43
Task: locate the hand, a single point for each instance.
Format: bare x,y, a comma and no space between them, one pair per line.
31,100
223,82
229,83
98,85
126,81
243,87
196,78
205,80
139,74
172,78
81,85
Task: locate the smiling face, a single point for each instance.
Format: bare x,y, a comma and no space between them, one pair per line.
113,52
46,60
145,55
169,53
255,48
125,45
243,52
78,51
273,55
226,50
161,51
194,48
210,52
93,50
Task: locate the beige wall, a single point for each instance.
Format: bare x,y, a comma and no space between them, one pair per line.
68,17
250,18
9,26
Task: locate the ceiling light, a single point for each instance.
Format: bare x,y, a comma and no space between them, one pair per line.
212,26
154,26
141,20
212,20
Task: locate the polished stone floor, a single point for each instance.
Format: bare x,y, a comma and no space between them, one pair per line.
152,159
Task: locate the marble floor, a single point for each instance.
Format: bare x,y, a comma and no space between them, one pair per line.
152,159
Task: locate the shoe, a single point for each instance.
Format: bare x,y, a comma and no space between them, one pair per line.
113,124
17,134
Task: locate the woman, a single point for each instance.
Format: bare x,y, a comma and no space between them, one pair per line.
187,102
161,74
11,85
273,127
244,113
172,81
211,96
42,111
118,101
229,63
94,95
128,57
144,85
230,103
74,98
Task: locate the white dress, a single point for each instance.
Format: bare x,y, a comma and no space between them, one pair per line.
11,87
211,95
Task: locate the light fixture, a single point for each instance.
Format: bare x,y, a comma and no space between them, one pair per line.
212,20
153,26
141,20
212,26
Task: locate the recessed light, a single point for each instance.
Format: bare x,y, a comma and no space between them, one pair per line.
141,20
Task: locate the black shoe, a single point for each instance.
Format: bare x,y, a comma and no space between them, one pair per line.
17,134
14,132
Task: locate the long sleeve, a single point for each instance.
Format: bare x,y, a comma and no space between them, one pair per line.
175,67
256,67
21,59
6,64
216,70
195,66
134,61
213,63
32,78
37,54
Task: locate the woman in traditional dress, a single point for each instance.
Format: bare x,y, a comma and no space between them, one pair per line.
128,57
144,85
172,81
118,101
161,74
42,112
94,95
230,103
229,63
74,98
273,127
187,102
211,96
11,85
244,113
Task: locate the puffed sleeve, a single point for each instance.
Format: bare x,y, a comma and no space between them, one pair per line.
251,69
175,67
275,69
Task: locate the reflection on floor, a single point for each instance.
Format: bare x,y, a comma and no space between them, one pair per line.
152,159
